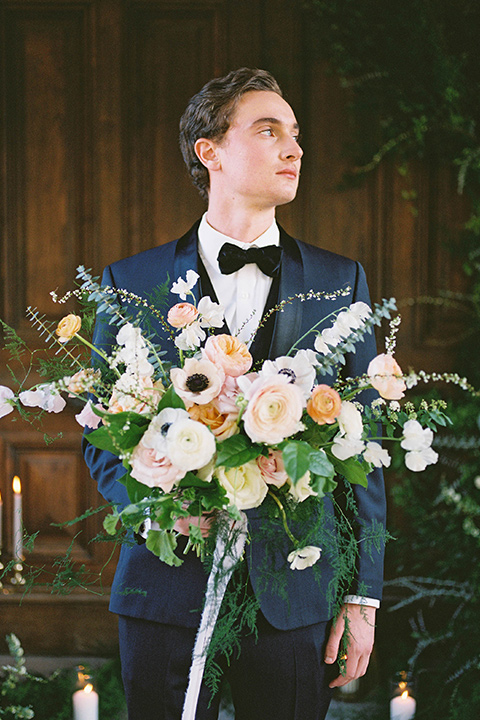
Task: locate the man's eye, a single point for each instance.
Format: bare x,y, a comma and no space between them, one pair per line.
267,131
298,138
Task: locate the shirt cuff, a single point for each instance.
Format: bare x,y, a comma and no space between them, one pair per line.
361,600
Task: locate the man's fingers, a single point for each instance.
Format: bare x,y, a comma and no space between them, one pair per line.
333,644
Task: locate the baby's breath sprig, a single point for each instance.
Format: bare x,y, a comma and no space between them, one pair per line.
413,378
391,339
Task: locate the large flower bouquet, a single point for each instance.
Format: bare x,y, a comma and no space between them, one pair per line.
211,437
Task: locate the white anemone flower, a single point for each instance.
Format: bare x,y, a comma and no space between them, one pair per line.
298,369
304,557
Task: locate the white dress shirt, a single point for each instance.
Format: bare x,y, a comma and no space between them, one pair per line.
243,295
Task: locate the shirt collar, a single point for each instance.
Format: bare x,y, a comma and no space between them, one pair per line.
210,241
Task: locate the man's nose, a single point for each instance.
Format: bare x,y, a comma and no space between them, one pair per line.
291,149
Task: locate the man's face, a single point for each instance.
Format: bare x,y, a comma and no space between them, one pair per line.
259,155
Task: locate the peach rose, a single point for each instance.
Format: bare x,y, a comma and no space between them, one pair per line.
204,522
385,376
272,468
182,314
151,469
324,405
222,425
228,352
68,327
274,410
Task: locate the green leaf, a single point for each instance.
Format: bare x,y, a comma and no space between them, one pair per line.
351,470
170,399
296,458
166,510
192,480
322,485
110,523
162,544
320,464
236,451
101,439
136,490
214,498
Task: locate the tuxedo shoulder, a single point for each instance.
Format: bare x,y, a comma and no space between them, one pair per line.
319,254
145,258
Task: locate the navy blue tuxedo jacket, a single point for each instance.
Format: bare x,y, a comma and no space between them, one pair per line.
144,587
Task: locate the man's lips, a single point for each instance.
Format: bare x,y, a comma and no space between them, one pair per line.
289,172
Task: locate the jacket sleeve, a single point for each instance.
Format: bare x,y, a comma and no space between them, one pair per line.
105,467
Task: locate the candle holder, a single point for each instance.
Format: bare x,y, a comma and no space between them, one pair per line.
402,704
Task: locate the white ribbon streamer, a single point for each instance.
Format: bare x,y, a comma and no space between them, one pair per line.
223,565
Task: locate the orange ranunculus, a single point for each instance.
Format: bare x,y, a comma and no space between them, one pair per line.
182,314
228,352
68,327
324,405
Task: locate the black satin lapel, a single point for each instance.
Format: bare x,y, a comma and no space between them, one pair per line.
186,258
289,322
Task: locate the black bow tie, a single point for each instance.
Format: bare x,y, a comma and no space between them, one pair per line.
231,258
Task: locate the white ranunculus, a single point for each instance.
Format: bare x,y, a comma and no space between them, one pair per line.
304,557
347,447
212,314
190,445
350,420
244,485
5,396
376,455
183,287
302,489
191,337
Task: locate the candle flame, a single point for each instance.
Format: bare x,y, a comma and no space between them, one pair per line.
402,685
0,498
404,694
88,688
16,485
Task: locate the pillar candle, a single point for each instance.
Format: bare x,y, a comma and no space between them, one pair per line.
17,519
402,707
85,704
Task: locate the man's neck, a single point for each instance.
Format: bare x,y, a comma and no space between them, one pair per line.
239,224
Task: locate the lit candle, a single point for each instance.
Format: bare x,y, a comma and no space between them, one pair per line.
402,707
85,704
17,519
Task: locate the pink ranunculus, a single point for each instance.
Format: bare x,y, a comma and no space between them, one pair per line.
182,314
226,400
230,353
274,410
272,468
386,377
151,469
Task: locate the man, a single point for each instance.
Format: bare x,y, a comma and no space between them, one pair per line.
239,138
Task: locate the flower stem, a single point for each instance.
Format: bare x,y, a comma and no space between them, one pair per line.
284,518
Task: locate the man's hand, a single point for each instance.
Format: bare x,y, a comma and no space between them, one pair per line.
361,631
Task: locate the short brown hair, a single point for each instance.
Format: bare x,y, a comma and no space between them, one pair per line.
209,112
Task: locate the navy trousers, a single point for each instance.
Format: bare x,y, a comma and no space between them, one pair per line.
280,676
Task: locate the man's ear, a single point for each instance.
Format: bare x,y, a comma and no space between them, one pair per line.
206,151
